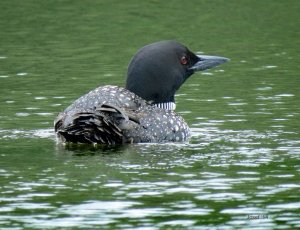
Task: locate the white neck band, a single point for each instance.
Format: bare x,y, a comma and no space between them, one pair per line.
166,105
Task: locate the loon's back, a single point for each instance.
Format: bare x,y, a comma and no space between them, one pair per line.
114,115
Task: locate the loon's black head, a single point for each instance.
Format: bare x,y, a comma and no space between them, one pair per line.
159,69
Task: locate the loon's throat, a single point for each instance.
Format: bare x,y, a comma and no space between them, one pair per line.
166,105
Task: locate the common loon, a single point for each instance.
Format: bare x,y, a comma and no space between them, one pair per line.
143,111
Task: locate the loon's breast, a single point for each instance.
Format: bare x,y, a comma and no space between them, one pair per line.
112,115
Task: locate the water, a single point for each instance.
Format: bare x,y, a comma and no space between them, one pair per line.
239,170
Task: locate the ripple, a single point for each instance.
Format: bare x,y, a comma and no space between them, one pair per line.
40,98
32,108
265,67
92,207
5,173
285,95
44,114
22,114
212,174
14,134
6,210
270,66
144,193
248,173
22,74
280,207
184,204
266,98
266,88
272,190
176,223
243,210
112,184
282,176
56,105
31,206
222,196
246,164
143,212
237,120
59,97
34,195
237,103
183,190
207,73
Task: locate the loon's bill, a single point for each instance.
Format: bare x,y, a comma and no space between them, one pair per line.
208,62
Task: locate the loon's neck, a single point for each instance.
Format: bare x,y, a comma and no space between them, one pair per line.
166,105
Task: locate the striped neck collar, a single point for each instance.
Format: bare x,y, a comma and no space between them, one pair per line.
166,105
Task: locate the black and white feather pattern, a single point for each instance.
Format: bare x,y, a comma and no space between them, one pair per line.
114,115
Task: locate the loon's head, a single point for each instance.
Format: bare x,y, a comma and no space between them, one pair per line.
158,70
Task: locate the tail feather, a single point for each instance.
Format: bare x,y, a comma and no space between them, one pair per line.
100,126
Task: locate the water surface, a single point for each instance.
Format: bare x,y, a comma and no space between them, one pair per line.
241,167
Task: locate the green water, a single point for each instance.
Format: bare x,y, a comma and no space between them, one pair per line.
239,170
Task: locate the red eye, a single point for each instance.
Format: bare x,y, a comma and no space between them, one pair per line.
184,60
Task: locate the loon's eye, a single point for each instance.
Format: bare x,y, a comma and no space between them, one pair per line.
184,60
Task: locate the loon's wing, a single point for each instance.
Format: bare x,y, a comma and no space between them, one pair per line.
100,116
104,125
